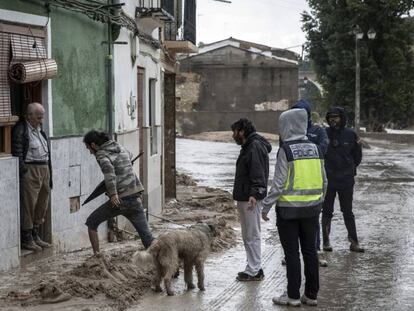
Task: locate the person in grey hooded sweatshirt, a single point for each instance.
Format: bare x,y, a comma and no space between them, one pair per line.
298,189
317,135
122,187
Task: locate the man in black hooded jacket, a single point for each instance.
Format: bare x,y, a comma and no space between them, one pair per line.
250,186
341,161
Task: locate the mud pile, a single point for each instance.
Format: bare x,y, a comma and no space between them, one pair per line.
111,275
46,292
198,203
185,180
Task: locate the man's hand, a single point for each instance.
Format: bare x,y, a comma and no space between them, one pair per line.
115,200
264,216
252,203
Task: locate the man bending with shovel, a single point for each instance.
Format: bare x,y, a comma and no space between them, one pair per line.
122,187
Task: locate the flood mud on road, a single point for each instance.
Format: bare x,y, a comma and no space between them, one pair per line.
79,281
380,279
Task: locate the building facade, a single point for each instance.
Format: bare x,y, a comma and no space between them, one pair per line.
115,73
230,79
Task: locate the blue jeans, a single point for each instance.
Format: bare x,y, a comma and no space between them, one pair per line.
131,208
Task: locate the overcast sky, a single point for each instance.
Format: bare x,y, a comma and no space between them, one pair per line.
274,23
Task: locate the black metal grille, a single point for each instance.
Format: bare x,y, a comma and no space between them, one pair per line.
189,30
149,4
190,21
170,31
168,5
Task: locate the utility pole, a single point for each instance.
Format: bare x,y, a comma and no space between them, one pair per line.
357,84
358,36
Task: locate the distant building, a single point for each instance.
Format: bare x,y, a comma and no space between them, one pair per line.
232,78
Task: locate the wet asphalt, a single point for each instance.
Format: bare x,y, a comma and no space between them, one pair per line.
382,278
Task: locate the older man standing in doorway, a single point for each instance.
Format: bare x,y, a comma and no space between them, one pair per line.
30,145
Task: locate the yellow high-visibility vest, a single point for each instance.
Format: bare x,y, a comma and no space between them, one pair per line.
304,184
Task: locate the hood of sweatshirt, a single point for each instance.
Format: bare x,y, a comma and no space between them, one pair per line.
337,111
293,125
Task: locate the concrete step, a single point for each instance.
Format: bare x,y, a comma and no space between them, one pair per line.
28,256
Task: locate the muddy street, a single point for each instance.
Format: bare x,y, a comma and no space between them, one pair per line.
380,279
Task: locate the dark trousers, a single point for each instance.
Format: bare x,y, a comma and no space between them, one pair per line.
318,236
131,208
345,202
303,231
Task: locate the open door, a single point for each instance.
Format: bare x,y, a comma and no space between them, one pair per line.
140,118
21,95
169,135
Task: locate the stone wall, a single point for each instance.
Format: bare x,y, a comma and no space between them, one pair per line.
206,121
187,91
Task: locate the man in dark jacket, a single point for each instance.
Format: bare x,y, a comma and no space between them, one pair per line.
250,186
31,146
341,161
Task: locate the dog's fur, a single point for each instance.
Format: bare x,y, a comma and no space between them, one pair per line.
190,245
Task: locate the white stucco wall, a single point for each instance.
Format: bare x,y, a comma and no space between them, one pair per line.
10,213
75,173
125,73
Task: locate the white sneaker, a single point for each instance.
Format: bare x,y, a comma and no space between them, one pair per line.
307,301
322,262
284,300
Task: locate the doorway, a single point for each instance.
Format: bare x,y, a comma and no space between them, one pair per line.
140,118
169,136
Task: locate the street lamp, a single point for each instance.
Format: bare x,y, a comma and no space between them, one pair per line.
358,36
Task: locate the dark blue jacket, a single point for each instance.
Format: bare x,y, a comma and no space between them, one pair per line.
344,153
315,133
252,169
20,147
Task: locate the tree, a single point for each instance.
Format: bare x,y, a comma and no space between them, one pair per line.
387,71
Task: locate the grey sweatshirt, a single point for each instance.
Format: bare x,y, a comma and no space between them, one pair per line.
115,162
292,126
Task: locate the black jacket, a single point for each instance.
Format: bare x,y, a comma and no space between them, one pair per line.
20,146
344,153
252,169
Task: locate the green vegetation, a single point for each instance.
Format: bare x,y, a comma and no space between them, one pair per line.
387,71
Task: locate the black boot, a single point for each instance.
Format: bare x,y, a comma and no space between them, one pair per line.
38,240
354,247
326,230
27,241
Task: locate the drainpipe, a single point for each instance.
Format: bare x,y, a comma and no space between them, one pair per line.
110,77
110,82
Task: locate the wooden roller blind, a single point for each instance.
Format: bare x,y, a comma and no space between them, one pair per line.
5,105
17,43
26,48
